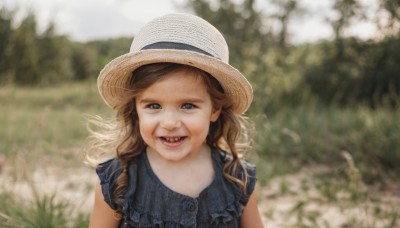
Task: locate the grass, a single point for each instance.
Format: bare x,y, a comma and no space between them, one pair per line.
46,122
43,130
42,211
317,135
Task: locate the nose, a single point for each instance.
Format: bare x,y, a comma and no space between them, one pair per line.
170,120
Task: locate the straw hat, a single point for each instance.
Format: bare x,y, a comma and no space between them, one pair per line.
177,38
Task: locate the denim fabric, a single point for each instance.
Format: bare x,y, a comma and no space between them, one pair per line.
149,203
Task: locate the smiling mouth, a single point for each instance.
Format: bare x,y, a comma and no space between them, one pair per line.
172,139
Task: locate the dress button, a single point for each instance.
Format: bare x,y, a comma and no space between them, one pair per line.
190,206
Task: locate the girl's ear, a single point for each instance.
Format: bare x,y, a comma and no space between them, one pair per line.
215,114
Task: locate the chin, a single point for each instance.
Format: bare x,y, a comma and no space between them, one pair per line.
173,155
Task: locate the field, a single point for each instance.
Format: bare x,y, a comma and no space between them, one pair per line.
317,167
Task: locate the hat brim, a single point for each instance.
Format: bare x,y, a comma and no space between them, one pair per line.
115,74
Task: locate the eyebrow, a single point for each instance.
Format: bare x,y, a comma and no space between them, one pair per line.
184,100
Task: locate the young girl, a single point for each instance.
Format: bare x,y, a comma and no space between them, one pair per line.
175,156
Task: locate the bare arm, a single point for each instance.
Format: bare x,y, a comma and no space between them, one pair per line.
251,217
103,215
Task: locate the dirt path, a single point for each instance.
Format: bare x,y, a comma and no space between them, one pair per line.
295,201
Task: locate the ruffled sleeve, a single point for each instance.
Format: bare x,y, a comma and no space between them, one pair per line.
228,200
251,181
108,173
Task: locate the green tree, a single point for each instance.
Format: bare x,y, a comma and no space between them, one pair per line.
392,9
106,50
55,57
25,55
6,33
83,59
286,9
351,71
347,11
242,27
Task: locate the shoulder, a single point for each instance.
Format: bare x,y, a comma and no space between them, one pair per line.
109,169
248,167
245,171
108,173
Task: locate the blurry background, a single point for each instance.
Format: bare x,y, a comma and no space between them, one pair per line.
327,93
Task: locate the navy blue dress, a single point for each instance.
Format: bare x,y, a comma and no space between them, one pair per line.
149,203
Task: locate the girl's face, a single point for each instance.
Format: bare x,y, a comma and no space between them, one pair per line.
175,114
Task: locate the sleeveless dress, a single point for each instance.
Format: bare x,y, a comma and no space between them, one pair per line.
149,203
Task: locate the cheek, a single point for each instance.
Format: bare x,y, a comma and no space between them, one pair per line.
146,126
199,125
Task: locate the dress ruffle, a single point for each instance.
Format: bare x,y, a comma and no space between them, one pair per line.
148,203
143,220
230,213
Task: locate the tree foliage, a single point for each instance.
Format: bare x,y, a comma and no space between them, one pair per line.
105,50
353,71
366,74
5,40
242,26
31,58
25,52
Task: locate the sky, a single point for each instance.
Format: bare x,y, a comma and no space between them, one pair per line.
85,20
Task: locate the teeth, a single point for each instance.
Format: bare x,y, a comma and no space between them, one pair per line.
173,140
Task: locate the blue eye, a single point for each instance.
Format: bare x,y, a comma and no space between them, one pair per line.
154,106
188,106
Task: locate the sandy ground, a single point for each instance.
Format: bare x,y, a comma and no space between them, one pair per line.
287,201
75,186
294,201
